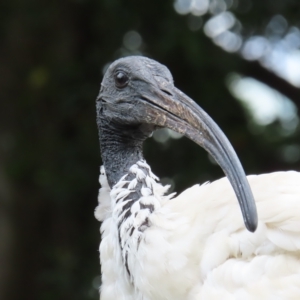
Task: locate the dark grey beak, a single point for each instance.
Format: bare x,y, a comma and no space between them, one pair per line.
169,107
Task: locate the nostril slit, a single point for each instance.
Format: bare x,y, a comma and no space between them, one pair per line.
167,92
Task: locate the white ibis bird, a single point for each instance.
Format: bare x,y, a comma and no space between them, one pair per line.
194,246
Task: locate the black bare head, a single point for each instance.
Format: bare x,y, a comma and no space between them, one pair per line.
137,95
123,95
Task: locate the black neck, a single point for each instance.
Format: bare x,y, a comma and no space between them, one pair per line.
120,149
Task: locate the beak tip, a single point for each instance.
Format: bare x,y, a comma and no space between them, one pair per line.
252,227
251,223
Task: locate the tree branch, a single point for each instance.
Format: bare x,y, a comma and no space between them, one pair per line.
255,70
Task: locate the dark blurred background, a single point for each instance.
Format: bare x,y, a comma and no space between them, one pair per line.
239,59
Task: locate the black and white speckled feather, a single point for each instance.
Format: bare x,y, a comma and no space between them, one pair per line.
131,203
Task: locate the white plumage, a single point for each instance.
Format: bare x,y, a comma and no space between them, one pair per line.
194,246
197,246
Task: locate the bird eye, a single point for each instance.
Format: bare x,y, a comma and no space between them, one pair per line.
121,79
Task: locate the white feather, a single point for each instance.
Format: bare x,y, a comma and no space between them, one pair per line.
132,184
143,164
197,247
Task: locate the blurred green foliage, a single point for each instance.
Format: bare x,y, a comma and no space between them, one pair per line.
52,56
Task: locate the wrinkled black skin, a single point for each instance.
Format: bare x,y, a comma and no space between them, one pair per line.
120,149
120,114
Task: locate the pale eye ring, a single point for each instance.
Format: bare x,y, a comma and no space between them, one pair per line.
121,79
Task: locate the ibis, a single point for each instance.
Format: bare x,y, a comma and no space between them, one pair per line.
234,238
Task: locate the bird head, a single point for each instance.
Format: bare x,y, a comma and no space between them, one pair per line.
138,95
128,94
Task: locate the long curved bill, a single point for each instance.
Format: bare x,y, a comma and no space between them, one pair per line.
169,107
